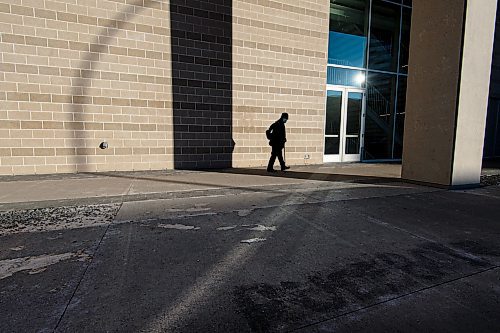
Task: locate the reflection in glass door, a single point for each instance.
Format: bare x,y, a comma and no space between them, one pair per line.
344,124
334,107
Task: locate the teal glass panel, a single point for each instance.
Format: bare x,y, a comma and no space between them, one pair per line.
346,50
348,32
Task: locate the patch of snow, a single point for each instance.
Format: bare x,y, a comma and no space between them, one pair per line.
253,240
260,227
37,264
226,228
193,209
191,215
178,226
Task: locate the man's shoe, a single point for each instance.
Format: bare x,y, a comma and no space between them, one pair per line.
285,168
271,170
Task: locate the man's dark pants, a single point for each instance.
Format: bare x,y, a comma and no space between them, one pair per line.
276,152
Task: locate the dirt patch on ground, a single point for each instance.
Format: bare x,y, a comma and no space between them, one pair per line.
324,294
487,180
58,218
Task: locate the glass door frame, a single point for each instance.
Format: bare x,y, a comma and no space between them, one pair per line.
342,156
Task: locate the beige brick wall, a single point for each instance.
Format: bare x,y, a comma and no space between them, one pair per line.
74,73
279,65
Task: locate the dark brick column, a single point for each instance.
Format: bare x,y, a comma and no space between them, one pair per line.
202,83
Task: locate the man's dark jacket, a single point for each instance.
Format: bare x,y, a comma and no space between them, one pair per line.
278,134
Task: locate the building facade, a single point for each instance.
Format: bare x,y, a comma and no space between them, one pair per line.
368,49
195,84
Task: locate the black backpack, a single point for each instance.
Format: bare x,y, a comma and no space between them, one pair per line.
269,134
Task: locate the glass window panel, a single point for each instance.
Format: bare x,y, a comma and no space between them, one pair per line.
407,2
384,36
345,77
346,50
333,112
491,128
379,119
405,41
332,145
354,108
348,31
353,126
352,145
400,118
497,139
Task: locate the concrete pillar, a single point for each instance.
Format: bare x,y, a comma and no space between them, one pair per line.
448,82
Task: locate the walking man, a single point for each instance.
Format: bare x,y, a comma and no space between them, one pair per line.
277,138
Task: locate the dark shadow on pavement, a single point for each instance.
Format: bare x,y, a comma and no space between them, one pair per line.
171,181
318,176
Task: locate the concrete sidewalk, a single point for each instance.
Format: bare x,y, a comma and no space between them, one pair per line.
66,189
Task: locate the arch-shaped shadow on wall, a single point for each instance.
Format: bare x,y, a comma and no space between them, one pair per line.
86,71
201,47
202,83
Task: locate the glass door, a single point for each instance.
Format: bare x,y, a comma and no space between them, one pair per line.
344,124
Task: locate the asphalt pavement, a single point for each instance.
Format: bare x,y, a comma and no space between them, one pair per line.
243,251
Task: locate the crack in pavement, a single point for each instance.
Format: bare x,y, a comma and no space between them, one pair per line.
84,272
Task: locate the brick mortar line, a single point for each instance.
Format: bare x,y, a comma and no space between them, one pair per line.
277,90
69,17
158,3
83,47
279,27
63,151
277,69
87,20
85,125
162,30
69,72
165,56
8,67
245,43
262,129
48,123
163,7
16,96
75,73
273,110
279,6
